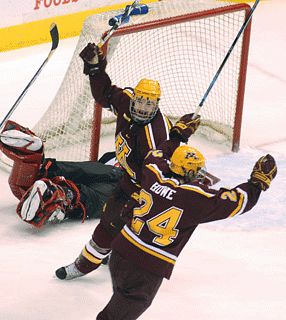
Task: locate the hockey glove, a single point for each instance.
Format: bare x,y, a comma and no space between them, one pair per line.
185,127
127,211
264,171
93,58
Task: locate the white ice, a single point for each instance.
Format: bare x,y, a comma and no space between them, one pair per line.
233,269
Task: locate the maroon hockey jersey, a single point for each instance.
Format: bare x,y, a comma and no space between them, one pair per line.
169,213
132,141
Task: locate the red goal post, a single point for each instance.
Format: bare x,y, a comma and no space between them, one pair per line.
179,43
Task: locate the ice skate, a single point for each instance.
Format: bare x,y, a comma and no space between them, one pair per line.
68,272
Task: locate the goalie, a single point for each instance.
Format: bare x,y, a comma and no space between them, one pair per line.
51,190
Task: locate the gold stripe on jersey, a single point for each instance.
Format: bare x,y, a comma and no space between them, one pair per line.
241,203
169,124
150,249
149,136
90,257
174,183
129,93
126,117
149,132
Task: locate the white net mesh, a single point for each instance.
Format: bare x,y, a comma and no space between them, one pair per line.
183,57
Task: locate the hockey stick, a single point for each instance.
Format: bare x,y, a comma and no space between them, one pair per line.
126,14
212,179
138,10
55,41
225,58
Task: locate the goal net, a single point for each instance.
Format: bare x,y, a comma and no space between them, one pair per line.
181,44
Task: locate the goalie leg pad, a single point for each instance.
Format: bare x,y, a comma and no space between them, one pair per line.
33,201
49,201
19,143
22,177
44,201
21,140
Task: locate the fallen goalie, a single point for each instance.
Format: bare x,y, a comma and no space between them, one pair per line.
51,191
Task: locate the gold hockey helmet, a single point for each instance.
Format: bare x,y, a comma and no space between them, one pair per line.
148,89
144,105
188,162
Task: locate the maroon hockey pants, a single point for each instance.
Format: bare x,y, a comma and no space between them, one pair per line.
133,290
111,221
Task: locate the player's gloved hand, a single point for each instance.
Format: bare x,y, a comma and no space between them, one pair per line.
185,127
93,58
127,211
264,171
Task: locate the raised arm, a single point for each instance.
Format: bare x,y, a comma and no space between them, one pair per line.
94,66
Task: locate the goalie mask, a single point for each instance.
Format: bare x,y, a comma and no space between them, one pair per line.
189,163
144,105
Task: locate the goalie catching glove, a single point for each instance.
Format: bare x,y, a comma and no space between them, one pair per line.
264,171
93,58
185,127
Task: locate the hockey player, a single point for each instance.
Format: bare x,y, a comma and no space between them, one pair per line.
50,190
172,203
140,127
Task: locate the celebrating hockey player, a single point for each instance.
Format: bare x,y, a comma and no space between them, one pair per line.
50,190
171,204
140,127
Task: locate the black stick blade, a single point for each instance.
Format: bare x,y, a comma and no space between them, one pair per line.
54,35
